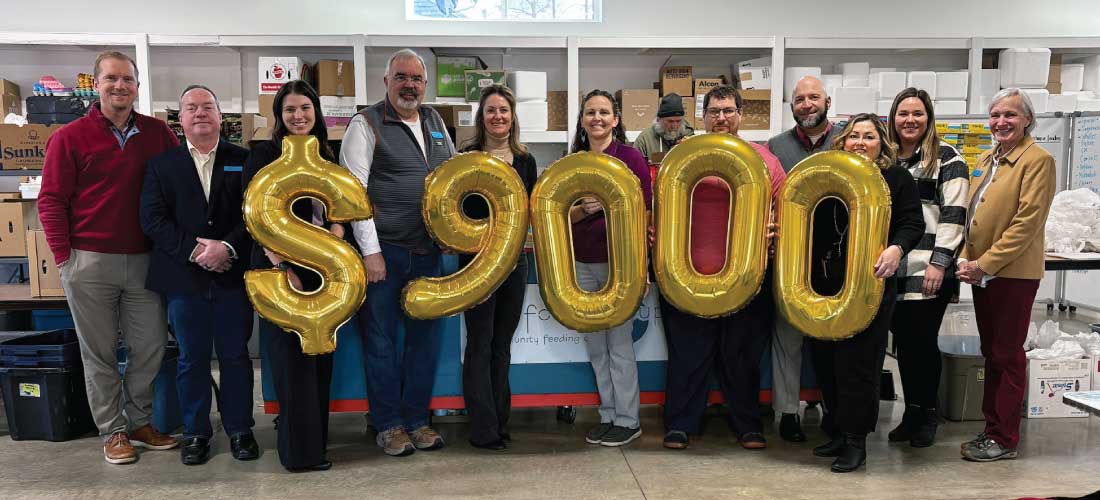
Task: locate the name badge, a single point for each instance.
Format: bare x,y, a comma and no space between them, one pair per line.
977,173
437,135
233,168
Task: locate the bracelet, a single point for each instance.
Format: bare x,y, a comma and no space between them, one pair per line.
283,266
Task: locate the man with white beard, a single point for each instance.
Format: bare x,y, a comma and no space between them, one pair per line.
667,130
391,147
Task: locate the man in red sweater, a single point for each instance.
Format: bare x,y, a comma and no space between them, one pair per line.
91,185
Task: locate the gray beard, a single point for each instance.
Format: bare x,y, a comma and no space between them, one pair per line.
814,120
407,104
670,135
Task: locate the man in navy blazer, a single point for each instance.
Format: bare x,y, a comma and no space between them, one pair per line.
191,209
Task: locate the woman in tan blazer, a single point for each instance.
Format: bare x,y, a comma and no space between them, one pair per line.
1010,195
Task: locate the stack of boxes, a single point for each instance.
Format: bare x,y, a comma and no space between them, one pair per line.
532,109
1052,85
856,87
335,83
971,139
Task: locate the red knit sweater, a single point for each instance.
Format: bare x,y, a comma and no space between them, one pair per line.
91,188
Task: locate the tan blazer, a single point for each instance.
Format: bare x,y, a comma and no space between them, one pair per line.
1006,231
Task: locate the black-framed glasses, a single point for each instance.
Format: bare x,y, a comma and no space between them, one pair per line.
716,112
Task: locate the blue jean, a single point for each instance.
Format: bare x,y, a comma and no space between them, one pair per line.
221,320
400,371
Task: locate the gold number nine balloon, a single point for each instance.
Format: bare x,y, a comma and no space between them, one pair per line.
734,161
497,241
301,172
619,190
858,184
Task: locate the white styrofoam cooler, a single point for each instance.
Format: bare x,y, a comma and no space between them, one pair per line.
1089,104
792,75
950,107
887,84
1038,98
952,85
984,102
831,82
533,116
856,81
925,80
883,107
854,68
1091,79
1066,103
1024,68
991,82
788,116
528,85
854,100
1073,77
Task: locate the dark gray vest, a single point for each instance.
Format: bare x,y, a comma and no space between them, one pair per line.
789,150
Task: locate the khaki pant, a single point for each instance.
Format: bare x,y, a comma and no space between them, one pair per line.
107,295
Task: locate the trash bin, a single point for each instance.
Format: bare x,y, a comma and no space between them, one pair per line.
962,378
42,381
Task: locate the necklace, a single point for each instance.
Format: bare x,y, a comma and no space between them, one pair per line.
837,250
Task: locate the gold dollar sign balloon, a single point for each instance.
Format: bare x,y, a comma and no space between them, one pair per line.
734,161
301,172
619,190
859,185
497,241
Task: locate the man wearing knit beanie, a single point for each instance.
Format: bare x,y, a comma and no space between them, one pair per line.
667,130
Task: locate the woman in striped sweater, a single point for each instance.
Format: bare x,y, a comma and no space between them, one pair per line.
926,276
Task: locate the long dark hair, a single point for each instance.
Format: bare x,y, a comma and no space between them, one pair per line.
930,143
580,137
482,135
300,87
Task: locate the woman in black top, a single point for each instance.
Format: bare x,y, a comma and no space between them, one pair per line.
491,324
301,381
848,370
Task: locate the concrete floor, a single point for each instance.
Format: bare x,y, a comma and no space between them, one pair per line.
550,460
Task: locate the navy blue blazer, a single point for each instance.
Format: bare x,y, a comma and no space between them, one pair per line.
174,211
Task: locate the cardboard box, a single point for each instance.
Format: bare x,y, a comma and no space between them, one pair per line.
1048,380
16,217
267,101
676,79
337,107
45,277
23,148
557,108
275,71
450,74
689,111
703,85
335,77
756,109
11,196
755,77
477,79
10,99
241,128
639,107
455,115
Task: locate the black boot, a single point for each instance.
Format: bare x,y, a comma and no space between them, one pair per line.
926,431
853,454
910,423
832,448
790,429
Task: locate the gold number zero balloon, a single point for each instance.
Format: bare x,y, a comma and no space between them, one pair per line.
734,161
497,240
619,190
301,172
858,184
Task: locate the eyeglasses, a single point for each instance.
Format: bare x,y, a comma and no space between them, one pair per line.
402,78
715,112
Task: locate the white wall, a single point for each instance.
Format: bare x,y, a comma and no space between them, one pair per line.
882,18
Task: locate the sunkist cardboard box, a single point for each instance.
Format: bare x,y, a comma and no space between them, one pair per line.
45,277
676,79
639,107
23,148
1048,380
10,99
335,77
17,215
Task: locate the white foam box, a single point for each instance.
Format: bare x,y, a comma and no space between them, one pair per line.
831,82
792,75
984,102
1091,78
883,107
1081,94
991,82
950,107
856,81
1024,68
924,80
528,85
1090,104
1073,77
1066,103
887,84
854,68
854,100
275,71
533,116
1038,98
1048,380
952,85
788,116
881,70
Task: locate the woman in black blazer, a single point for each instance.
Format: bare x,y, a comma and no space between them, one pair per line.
301,381
491,324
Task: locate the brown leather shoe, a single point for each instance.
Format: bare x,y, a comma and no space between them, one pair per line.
148,437
425,438
118,450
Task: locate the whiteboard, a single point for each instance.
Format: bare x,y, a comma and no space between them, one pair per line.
1086,153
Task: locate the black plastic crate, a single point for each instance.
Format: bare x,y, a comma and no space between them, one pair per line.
47,349
47,404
